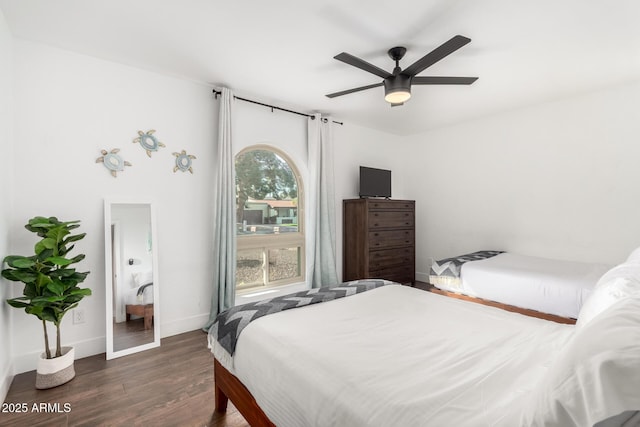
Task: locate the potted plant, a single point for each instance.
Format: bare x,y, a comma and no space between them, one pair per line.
50,290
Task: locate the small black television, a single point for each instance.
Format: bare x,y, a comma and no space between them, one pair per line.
375,182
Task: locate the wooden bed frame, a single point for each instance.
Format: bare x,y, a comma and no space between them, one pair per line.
527,312
228,386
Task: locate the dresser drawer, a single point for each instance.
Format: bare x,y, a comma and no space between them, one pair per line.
390,238
402,274
390,219
391,205
379,260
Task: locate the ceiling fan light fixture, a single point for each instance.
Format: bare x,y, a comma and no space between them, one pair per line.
397,89
397,97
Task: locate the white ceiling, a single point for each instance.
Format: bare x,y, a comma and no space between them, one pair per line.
281,51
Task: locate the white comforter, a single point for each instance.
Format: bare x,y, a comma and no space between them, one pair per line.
394,356
546,285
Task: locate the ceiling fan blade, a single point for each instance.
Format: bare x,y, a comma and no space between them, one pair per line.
397,104
418,80
357,89
436,55
362,64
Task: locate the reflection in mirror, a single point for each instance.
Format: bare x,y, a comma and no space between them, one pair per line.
131,278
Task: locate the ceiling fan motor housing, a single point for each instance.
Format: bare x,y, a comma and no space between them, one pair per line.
399,83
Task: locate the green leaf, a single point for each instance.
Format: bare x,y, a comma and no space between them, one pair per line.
80,291
23,276
69,308
43,280
45,313
63,272
20,262
46,243
58,260
58,233
18,302
44,301
77,258
56,287
74,238
46,253
30,290
10,258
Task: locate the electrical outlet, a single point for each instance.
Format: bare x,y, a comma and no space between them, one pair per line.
78,316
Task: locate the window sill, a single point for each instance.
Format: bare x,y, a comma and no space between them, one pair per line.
252,295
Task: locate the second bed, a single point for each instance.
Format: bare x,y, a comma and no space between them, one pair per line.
546,285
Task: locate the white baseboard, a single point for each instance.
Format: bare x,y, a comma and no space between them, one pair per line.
183,325
29,361
6,380
422,277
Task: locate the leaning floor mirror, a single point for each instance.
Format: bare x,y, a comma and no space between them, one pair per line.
131,270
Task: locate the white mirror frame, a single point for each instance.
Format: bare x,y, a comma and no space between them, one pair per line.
108,203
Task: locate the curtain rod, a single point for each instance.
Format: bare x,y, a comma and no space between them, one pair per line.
273,107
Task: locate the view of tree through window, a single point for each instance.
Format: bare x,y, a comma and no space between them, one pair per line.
270,238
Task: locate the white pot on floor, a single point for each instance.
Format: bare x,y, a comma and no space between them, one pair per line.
57,371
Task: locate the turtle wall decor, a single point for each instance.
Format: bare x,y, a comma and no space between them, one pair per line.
112,161
148,141
183,162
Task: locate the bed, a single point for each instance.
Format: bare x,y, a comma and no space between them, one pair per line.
556,287
396,355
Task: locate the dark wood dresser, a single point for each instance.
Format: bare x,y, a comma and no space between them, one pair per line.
378,240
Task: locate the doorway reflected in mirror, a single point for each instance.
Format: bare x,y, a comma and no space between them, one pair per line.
132,288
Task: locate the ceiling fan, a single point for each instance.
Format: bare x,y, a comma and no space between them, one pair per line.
397,85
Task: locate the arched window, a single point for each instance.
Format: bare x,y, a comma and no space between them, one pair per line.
269,218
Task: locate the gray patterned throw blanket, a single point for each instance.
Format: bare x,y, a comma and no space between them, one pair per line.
446,272
230,323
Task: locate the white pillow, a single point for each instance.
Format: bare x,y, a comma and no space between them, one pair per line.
604,296
142,278
629,270
634,256
595,377
620,282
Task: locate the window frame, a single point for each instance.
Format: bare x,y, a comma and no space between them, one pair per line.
265,242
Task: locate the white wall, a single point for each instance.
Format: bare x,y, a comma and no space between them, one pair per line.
557,180
358,146
6,193
68,107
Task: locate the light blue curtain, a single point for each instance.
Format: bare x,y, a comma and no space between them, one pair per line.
322,217
224,213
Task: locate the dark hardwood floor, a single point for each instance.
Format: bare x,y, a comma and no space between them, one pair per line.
167,386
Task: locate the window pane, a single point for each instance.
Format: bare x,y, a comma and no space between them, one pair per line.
249,270
284,263
267,194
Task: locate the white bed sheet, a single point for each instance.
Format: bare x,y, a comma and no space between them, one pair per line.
394,356
546,285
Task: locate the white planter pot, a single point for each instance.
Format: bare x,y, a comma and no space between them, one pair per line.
57,371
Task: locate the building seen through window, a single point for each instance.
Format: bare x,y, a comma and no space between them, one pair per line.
268,219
